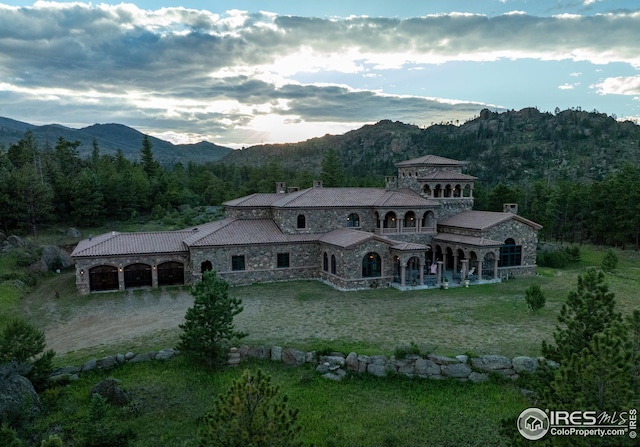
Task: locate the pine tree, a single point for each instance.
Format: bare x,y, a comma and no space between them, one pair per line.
149,164
534,296
210,321
332,174
609,261
589,310
252,413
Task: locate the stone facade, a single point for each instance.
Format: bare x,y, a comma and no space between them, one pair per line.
416,232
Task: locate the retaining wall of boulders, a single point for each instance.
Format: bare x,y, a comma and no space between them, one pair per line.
336,365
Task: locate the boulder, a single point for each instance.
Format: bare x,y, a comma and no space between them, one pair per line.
66,370
52,258
276,353
426,367
490,363
456,370
377,369
73,233
18,398
140,358
294,357
89,365
165,354
442,360
259,352
524,363
477,377
15,241
110,389
333,359
352,362
129,355
107,362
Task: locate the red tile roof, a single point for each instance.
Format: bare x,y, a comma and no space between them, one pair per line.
482,220
432,160
115,244
466,240
246,232
320,197
435,176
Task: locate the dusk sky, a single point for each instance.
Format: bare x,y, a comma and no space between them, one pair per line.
239,73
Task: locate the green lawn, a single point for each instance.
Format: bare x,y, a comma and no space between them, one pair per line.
170,397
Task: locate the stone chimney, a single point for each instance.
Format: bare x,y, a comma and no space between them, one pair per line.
391,182
510,208
317,183
281,188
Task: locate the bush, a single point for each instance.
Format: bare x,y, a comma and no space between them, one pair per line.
251,414
23,343
609,262
535,298
403,351
209,323
100,427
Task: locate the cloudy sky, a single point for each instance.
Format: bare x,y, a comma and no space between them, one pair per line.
239,73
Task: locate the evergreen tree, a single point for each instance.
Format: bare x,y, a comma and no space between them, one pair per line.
332,174
609,261
209,323
534,297
252,413
589,310
149,164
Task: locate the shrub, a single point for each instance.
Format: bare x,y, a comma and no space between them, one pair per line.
609,262
23,343
100,428
209,323
403,351
52,441
252,413
534,297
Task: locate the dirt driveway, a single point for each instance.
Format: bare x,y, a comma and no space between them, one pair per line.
296,314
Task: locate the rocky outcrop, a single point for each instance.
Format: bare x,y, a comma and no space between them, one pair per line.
18,398
52,258
110,389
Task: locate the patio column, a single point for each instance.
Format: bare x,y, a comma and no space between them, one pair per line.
421,268
154,276
120,278
439,275
403,270
464,269
495,269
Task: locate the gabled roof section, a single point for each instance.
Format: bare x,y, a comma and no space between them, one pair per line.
348,237
255,200
245,232
440,176
410,246
121,244
483,220
430,160
319,197
466,240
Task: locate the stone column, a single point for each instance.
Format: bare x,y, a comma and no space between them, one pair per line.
495,269
403,269
154,276
421,267
120,278
464,269
440,268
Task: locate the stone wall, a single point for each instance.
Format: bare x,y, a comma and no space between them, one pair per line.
335,365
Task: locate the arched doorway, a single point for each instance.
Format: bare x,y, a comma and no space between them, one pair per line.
413,271
371,265
137,275
206,266
103,277
170,273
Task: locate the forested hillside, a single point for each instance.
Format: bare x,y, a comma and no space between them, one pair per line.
577,173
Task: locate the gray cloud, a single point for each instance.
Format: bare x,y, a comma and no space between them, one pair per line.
101,59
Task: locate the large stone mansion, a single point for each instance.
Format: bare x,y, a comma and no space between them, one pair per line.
418,231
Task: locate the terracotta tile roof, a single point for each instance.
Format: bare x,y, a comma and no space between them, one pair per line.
482,220
466,240
245,232
409,246
447,176
115,244
346,237
320,197
255,200
430,160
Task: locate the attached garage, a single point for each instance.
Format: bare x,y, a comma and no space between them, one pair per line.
103,277
171,273
137,275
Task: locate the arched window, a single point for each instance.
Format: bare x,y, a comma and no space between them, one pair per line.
426,190
371,265
353,220
410,220
510,254
206,266
333,264
438,191
467,191
170,273
428,220
390,220
325,262
302,221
